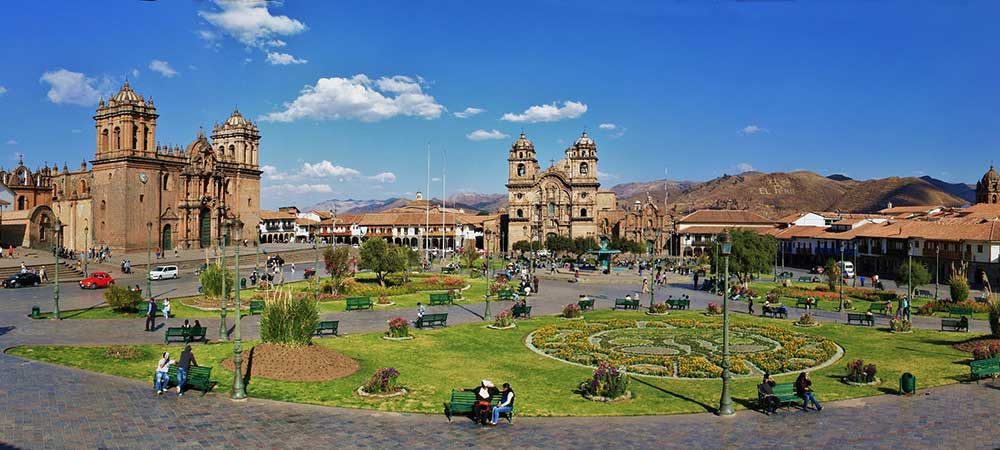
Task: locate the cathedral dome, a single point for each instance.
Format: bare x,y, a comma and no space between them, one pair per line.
990,178
236,120
523,143
127,95
585,141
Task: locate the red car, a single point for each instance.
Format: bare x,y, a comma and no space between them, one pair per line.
97,280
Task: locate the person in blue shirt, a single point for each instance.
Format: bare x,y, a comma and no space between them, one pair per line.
506,403
151,315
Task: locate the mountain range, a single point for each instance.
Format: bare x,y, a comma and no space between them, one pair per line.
771,194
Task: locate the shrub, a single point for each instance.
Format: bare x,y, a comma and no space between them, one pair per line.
608,382
289,321
714,308
858,372
658,308
123,352
806,319
504,319
384,381
572,311
383,299
398,328
959,288
211,280
943,306
986,351
122,299
899,324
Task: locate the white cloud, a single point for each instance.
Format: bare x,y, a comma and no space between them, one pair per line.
435,179
272,173
468,112
70,87
548,113
250,22
604,176
276,43
744,167
208,35
360,98
384,177
297,189
752,129
607,126
482,135
3,90
11,142
283,59
327,169
162,67
135,73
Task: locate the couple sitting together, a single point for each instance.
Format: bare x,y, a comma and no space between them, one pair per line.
483,411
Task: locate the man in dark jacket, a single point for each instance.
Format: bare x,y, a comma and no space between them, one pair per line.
151,315
766,391
183,365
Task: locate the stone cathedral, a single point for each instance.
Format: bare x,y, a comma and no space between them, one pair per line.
137,189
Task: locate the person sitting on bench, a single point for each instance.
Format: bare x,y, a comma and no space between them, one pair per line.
484,394
766,390
506,403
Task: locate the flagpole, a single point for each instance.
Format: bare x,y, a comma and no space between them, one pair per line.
427,211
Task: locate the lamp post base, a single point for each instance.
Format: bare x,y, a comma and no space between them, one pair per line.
726,402
239,390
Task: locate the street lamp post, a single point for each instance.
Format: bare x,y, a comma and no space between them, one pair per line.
316,270
239,390
841,307
223,335
909,275
726,402
55,288
937,271
149,240
86,251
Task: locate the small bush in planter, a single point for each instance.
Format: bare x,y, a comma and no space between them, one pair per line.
608,382
807,319
572,311
504,319
658,308
384,381
398,328
899,324
383,299
859,372
289,321
122,299
714,308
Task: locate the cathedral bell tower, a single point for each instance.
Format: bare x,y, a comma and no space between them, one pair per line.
237,141
125,125
988,189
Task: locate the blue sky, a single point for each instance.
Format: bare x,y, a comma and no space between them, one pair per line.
348,95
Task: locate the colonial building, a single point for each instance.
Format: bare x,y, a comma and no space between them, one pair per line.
565,200
139,191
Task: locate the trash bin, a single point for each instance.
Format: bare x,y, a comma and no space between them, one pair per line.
201,290
35,312
243,283
907,383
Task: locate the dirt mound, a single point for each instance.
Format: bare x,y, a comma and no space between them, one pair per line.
311,363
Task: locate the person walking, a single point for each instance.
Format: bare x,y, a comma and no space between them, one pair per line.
166,308
151,315
163,373
645,286
42,275
535,282
506,403
183,366
803,388
750,304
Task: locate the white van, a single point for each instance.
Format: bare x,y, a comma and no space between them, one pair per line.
163,272
847,268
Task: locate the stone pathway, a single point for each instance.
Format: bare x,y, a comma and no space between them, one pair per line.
46,406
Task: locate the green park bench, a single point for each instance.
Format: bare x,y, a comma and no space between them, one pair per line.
519,311
960,311
955,324
256,307
877,307
328,325
587,304
505,295
359,303
785,276
429,320
805,302
984,368
440,299
199,378
625,303
861,318
463,403
775,312
185,334
678,303
784,392
923,293
808,279
447,270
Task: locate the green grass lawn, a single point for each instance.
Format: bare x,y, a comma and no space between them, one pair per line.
459,356
475,294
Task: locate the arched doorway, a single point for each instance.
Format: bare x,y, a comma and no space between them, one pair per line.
205,228
166,241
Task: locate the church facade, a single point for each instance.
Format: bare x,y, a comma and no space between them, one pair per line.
138,191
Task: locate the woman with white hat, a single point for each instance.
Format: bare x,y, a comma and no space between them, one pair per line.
484,394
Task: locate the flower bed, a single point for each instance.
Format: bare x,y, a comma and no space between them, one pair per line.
682,348
383,383
861,374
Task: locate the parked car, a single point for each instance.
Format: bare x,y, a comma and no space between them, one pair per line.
163,272
22,279
817,270
97,280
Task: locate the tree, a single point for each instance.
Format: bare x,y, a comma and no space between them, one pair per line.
559,244
381,258
752,253
627,246
338,261
470,255
582,245
832,271
525,246
919,273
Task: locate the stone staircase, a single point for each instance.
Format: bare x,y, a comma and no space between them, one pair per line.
67,270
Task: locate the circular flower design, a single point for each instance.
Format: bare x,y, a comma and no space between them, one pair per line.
683,348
